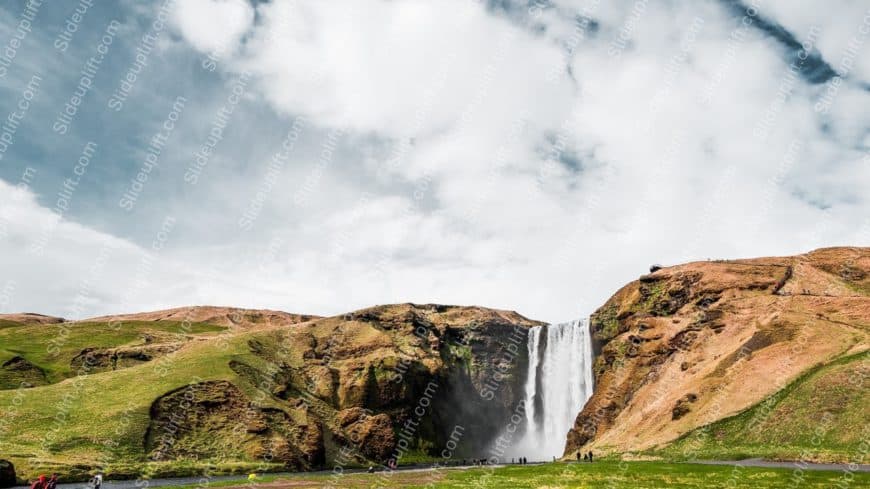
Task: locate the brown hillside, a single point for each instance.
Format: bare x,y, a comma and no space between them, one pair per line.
231,317
690,344
31,318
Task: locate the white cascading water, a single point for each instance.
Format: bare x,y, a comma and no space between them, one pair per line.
558,384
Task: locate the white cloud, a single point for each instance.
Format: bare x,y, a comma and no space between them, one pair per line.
397,68
213,26
452,118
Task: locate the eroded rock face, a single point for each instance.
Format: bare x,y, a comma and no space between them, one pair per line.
691,344
102,359
465,365
371,434
351,388
213,420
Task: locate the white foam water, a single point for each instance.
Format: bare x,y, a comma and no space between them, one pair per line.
558,384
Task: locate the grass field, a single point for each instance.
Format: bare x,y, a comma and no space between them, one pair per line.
633,475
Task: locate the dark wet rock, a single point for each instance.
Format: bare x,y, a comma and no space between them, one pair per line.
7,473
682,407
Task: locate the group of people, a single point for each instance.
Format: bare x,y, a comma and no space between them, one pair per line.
45,483
587,457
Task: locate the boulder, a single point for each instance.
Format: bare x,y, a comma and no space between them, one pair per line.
7,474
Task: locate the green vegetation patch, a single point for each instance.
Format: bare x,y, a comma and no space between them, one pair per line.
605,323
461,354
652,294
52,347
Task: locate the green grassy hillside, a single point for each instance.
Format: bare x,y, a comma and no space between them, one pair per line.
821,416
99,419
51,348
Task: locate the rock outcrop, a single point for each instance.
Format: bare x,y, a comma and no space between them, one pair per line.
7,473
363,374
215,419
687,345
102,359
18,372
371,434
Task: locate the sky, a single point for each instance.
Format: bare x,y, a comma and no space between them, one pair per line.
320,157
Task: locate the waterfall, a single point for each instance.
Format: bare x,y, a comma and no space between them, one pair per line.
558,384
532,377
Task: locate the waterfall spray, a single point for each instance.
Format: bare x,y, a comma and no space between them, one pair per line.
559,382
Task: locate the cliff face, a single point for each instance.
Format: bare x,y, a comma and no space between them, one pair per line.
690,344
363,375
223,387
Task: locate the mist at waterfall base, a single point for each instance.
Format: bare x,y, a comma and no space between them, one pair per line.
558,384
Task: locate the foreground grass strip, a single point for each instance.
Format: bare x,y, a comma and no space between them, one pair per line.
634,475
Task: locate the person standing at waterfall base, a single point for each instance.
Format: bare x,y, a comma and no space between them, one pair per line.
97,481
